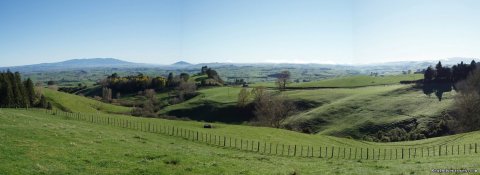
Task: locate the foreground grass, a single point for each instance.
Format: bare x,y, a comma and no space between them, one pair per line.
36,143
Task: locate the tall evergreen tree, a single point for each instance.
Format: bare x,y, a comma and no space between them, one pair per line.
30,91
22,100
473,65
429,74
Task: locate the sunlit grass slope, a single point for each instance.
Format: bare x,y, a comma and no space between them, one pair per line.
345,110
350,81
75,103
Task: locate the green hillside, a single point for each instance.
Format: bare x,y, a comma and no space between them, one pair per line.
37,143
350,81
75,103
340,111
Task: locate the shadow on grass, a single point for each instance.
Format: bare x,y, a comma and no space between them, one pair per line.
216,112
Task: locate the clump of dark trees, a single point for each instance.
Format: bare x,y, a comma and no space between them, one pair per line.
442,79
15,93
71,89
213,79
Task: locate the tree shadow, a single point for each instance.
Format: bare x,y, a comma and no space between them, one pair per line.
437,88
216,112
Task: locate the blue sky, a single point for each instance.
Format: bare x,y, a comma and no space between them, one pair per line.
296,31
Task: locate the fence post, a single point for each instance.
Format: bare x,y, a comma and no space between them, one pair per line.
350,154
367,153
295,151
270,150
355,152
258,146
475,148
264,146
301,150
320,151
415,153
373,152
326,151
439,150
384,153
396,153
402,153
390,153
333,150
361,153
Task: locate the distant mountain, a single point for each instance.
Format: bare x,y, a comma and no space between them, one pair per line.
182,63
75,64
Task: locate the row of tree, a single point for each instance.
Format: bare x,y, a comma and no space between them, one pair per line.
17,93
445,74
133,84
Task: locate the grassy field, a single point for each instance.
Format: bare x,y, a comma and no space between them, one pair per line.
343,109
74,103
349,81
38,143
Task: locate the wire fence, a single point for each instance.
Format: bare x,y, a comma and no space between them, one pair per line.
270,148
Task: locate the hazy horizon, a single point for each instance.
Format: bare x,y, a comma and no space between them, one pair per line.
305,31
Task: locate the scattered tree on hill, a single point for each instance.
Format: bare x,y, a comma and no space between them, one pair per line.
148,107
282,79
271,110
467,103
212,74
106,94
184,77
185,90
243,97
204,70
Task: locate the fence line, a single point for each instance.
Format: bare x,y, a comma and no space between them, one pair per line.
268,148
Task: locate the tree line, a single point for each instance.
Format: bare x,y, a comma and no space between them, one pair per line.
133,83
20,94
440,79
445,74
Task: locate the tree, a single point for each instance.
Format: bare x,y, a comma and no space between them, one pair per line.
282,79
43,102
429,74
170,79
271,110
106,94
51,83
204,70
184,76
243,97
21,100
467,103
185,90
30,91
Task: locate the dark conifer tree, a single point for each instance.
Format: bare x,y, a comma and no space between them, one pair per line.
30,91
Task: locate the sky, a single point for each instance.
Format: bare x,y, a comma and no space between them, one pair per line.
239,31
